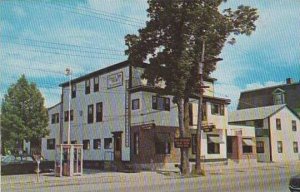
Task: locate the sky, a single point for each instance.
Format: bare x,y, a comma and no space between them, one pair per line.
42,38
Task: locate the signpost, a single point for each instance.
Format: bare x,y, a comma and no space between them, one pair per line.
183,142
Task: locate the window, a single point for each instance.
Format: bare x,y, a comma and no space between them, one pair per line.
73,94
135,104
294,125
66,116
99,112
71,115
217,109
74,142
96,84
86,144
97,143
247,145
278,98
87,86
162,143
278,124
160,103
213,144
55,118
90,114
295,147
50,144
260,147
107,143
194,143
191,115
136,143
279,146
259,123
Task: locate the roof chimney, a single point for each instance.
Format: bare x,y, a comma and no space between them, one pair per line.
289,80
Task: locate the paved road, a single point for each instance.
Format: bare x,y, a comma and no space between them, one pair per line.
268,179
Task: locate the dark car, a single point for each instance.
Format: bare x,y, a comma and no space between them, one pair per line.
11,165
294,185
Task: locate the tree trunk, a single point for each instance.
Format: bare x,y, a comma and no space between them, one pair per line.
184,161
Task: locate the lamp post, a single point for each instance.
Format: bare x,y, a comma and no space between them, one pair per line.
68,72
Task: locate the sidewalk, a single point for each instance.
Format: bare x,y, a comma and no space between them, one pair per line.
97,176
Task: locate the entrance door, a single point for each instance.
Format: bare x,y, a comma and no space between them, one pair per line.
118,146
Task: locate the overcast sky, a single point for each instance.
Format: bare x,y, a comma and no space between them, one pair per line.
41,38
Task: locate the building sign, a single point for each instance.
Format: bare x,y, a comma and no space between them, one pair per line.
208,128
115,80
183,142
148,126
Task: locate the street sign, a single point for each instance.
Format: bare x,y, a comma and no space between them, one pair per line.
183,142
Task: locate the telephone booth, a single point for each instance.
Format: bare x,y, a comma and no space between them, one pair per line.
68,160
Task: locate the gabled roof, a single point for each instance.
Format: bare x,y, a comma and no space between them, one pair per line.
254,113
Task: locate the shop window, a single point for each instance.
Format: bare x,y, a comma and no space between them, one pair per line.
161,103
73,94
279,146
213,144
96,84
90,114
294,125
87,86
86,144
247,145
217,109
136,143
278,124
97,144
162,143
295,147
260,147
107,143
99,112
135,104
50,144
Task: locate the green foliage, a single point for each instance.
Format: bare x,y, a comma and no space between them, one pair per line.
23,115
173,38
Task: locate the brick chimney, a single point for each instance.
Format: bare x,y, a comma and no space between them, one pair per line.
289,80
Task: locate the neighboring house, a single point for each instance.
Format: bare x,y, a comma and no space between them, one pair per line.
288,94
118,116
241,144
277,130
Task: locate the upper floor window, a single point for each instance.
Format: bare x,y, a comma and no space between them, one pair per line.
73,94
90,114
279,146
107,143
135,104
217,109
295,147
294,125
97,143
278,124
67,115
259,123
99,112
161,103
260,147
96,84
50,143
86,144
55,118
278,96
87,86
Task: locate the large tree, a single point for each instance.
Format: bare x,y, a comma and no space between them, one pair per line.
23,115
173,42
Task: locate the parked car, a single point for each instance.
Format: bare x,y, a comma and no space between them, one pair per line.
294,185
11,165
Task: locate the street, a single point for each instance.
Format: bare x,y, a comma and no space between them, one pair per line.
255,179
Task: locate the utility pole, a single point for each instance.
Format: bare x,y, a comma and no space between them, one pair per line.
69,73
199,125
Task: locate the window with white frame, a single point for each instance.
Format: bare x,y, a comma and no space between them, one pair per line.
96,84
97,144
217,109
90,115
135,104
99,112
161,103
50,144
73,94
213,144
294,125
295,147
260,147
278,124
279,147
86,144
87,86
107,143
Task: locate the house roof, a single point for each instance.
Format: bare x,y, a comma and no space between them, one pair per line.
254,113
264,96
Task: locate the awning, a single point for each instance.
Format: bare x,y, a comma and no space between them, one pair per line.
248,142
214,139
163,137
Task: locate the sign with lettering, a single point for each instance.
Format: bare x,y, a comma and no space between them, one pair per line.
208,128
115,80
183,142
148,126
